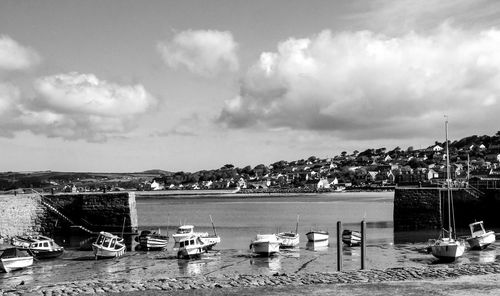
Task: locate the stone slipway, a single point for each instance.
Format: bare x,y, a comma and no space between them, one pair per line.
229,284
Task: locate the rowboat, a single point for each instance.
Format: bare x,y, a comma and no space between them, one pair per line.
317,235
351,237
290,239
14,258
266,244
108,245
480,238
150,240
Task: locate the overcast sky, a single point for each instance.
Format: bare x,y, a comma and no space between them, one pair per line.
121,86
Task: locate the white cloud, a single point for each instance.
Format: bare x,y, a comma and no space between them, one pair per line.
204,53
74,106
14,56
366,85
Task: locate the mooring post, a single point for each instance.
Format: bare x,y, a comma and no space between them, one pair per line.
363,244
339,246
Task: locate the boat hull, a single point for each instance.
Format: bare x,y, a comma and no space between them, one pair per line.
190,253
481,242
46,254
210,241
266,248
317,236
150,243
101,252
351,238
289,239
447,251
10,264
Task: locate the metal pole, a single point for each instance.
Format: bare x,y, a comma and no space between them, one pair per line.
363,243
339,246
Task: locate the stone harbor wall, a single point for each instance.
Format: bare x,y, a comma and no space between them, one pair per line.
20,214
425,208
31,214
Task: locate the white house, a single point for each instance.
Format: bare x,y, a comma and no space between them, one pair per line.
437,148
156,186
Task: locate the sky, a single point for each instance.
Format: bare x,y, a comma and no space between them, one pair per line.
128,86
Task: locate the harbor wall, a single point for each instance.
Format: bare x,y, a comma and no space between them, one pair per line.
426,208
32,214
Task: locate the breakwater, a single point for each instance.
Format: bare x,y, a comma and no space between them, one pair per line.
205,284
34,214
422,208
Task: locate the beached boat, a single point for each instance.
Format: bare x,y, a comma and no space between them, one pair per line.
351,238
188,230
151,240
447,248
41,247
266,244
290,239
108,245
191,247
14,258
317,235
480,238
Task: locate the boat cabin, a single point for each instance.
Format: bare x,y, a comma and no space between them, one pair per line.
107,240
185,229
44,244
477,229
193,241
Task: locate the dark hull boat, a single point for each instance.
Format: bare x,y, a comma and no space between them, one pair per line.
40,247
151,240
351,237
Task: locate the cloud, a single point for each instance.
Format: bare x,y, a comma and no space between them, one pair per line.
74,106
205,53
366,85
14,56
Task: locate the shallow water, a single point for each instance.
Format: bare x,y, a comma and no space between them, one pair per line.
237,221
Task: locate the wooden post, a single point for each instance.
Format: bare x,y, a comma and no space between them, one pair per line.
339,246
363,244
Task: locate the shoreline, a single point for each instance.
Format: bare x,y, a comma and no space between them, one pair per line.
230,283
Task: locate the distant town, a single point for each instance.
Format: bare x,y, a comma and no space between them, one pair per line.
475,158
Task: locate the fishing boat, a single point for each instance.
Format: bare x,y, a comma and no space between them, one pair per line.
15,258
317,235
290,239
447,248
480,238
191,247
41,247
188,230
351,238
108,245
266,244
153,240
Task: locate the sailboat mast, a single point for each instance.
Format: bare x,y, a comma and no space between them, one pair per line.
448,178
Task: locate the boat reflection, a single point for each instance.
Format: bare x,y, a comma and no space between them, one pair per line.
317,246
190,267
272,263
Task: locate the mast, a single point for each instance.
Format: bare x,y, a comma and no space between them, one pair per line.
448,177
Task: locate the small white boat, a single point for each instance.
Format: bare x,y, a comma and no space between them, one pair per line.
188,230
14,258
191,247
317,235
108,245
266,244
351,238
289,239
150,240
480,238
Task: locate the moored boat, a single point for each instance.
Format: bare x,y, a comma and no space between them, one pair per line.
108,245
191,247
15,258
317,235
152,240
480,238
447,248
188,230
351,237
41,247
289,239
266,244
